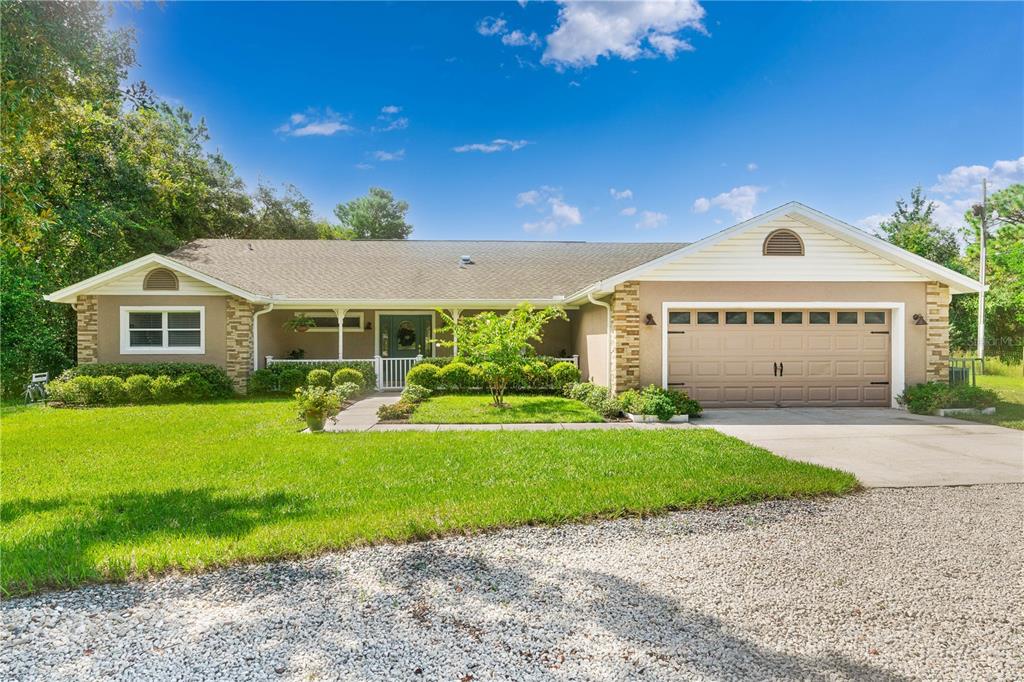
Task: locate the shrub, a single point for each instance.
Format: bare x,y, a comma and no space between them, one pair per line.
563,373
84,391
414,393
424,374
59,391
595,397
660,402
346,390
110,390
321,378
139,387
216,376
973,396
396,411
193,387
534,374
925,398
349,375
165,389
263,381
457,376
290,379
684,403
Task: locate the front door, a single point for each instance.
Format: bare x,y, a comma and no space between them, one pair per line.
405,336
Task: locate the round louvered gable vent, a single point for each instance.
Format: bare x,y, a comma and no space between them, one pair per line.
160,279
783,243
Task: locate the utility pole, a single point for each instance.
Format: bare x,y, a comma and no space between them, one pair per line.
981,270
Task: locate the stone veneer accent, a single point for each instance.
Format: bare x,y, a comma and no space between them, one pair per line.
238,341
626,337
87,312
937,341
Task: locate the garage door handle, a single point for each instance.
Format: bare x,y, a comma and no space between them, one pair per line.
782,369
775,369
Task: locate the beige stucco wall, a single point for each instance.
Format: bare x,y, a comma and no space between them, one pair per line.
108,347
590,341
653,294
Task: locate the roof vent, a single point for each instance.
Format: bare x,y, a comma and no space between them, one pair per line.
464,261
783,243
160,279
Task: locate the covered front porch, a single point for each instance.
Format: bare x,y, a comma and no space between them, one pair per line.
393,339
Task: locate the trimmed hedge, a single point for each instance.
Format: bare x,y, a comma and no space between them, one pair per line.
286,377
538,373
137,389
216,377
936,395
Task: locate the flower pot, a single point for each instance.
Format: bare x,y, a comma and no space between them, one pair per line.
950,411
316,422
653,418
301,329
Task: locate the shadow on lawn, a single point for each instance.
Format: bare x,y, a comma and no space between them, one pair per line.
100,537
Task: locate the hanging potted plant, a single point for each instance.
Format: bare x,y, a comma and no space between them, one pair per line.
300,323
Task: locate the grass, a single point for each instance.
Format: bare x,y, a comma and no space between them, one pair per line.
519,409
121,492
1010,409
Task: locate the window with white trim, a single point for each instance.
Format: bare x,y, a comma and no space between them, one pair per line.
168,330
328,321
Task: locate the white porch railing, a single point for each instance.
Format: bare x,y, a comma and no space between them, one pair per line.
390,371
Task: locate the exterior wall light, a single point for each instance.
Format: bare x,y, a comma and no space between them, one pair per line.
919,319
649,320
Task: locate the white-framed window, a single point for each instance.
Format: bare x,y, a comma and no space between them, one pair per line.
165,330
327,321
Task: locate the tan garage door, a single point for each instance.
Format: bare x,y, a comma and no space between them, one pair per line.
733,358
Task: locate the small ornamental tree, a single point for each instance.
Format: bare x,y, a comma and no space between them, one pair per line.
503,342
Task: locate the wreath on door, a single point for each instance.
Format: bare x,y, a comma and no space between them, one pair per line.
406,335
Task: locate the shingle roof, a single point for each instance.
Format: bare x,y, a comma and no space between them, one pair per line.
413,270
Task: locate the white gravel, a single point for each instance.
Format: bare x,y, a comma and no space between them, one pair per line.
888,584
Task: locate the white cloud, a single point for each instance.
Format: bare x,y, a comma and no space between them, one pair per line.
491,26
751,166
381,155
628,30
554,212
518,39
967,179
650,220
314,123
739,201
498,145
363,166
389,110
389,115
629,210
621,194
960,189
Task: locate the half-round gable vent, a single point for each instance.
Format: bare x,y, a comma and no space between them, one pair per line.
783,243
160,279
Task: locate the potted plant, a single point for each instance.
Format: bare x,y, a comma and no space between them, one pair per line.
316,404
300,323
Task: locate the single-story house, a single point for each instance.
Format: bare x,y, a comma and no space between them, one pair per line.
790,308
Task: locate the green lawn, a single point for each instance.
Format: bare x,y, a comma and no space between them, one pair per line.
113,493
519,409
1010,410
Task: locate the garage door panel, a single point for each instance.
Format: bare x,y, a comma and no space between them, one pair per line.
775,364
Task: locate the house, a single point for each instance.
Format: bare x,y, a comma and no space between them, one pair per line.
790,308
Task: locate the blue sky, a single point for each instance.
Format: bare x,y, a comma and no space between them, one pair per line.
620,122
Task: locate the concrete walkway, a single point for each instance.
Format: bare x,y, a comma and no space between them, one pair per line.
362,416
882,447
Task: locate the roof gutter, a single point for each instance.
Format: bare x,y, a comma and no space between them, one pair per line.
608,331
256,336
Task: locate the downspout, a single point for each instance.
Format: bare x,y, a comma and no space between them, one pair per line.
256,336
608,331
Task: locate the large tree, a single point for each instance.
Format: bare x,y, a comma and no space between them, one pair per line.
93,174
1004,274
378,215
913,227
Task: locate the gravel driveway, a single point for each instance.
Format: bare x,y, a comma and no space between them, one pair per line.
887,584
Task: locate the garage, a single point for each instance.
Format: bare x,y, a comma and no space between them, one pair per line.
778,357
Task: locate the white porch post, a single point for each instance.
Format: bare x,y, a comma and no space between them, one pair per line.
455,334
341,312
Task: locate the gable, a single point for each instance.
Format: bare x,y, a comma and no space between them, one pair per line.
130,284
740,257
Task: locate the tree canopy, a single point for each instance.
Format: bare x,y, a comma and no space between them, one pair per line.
378,215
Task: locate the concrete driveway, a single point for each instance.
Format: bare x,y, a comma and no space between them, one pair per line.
882,447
